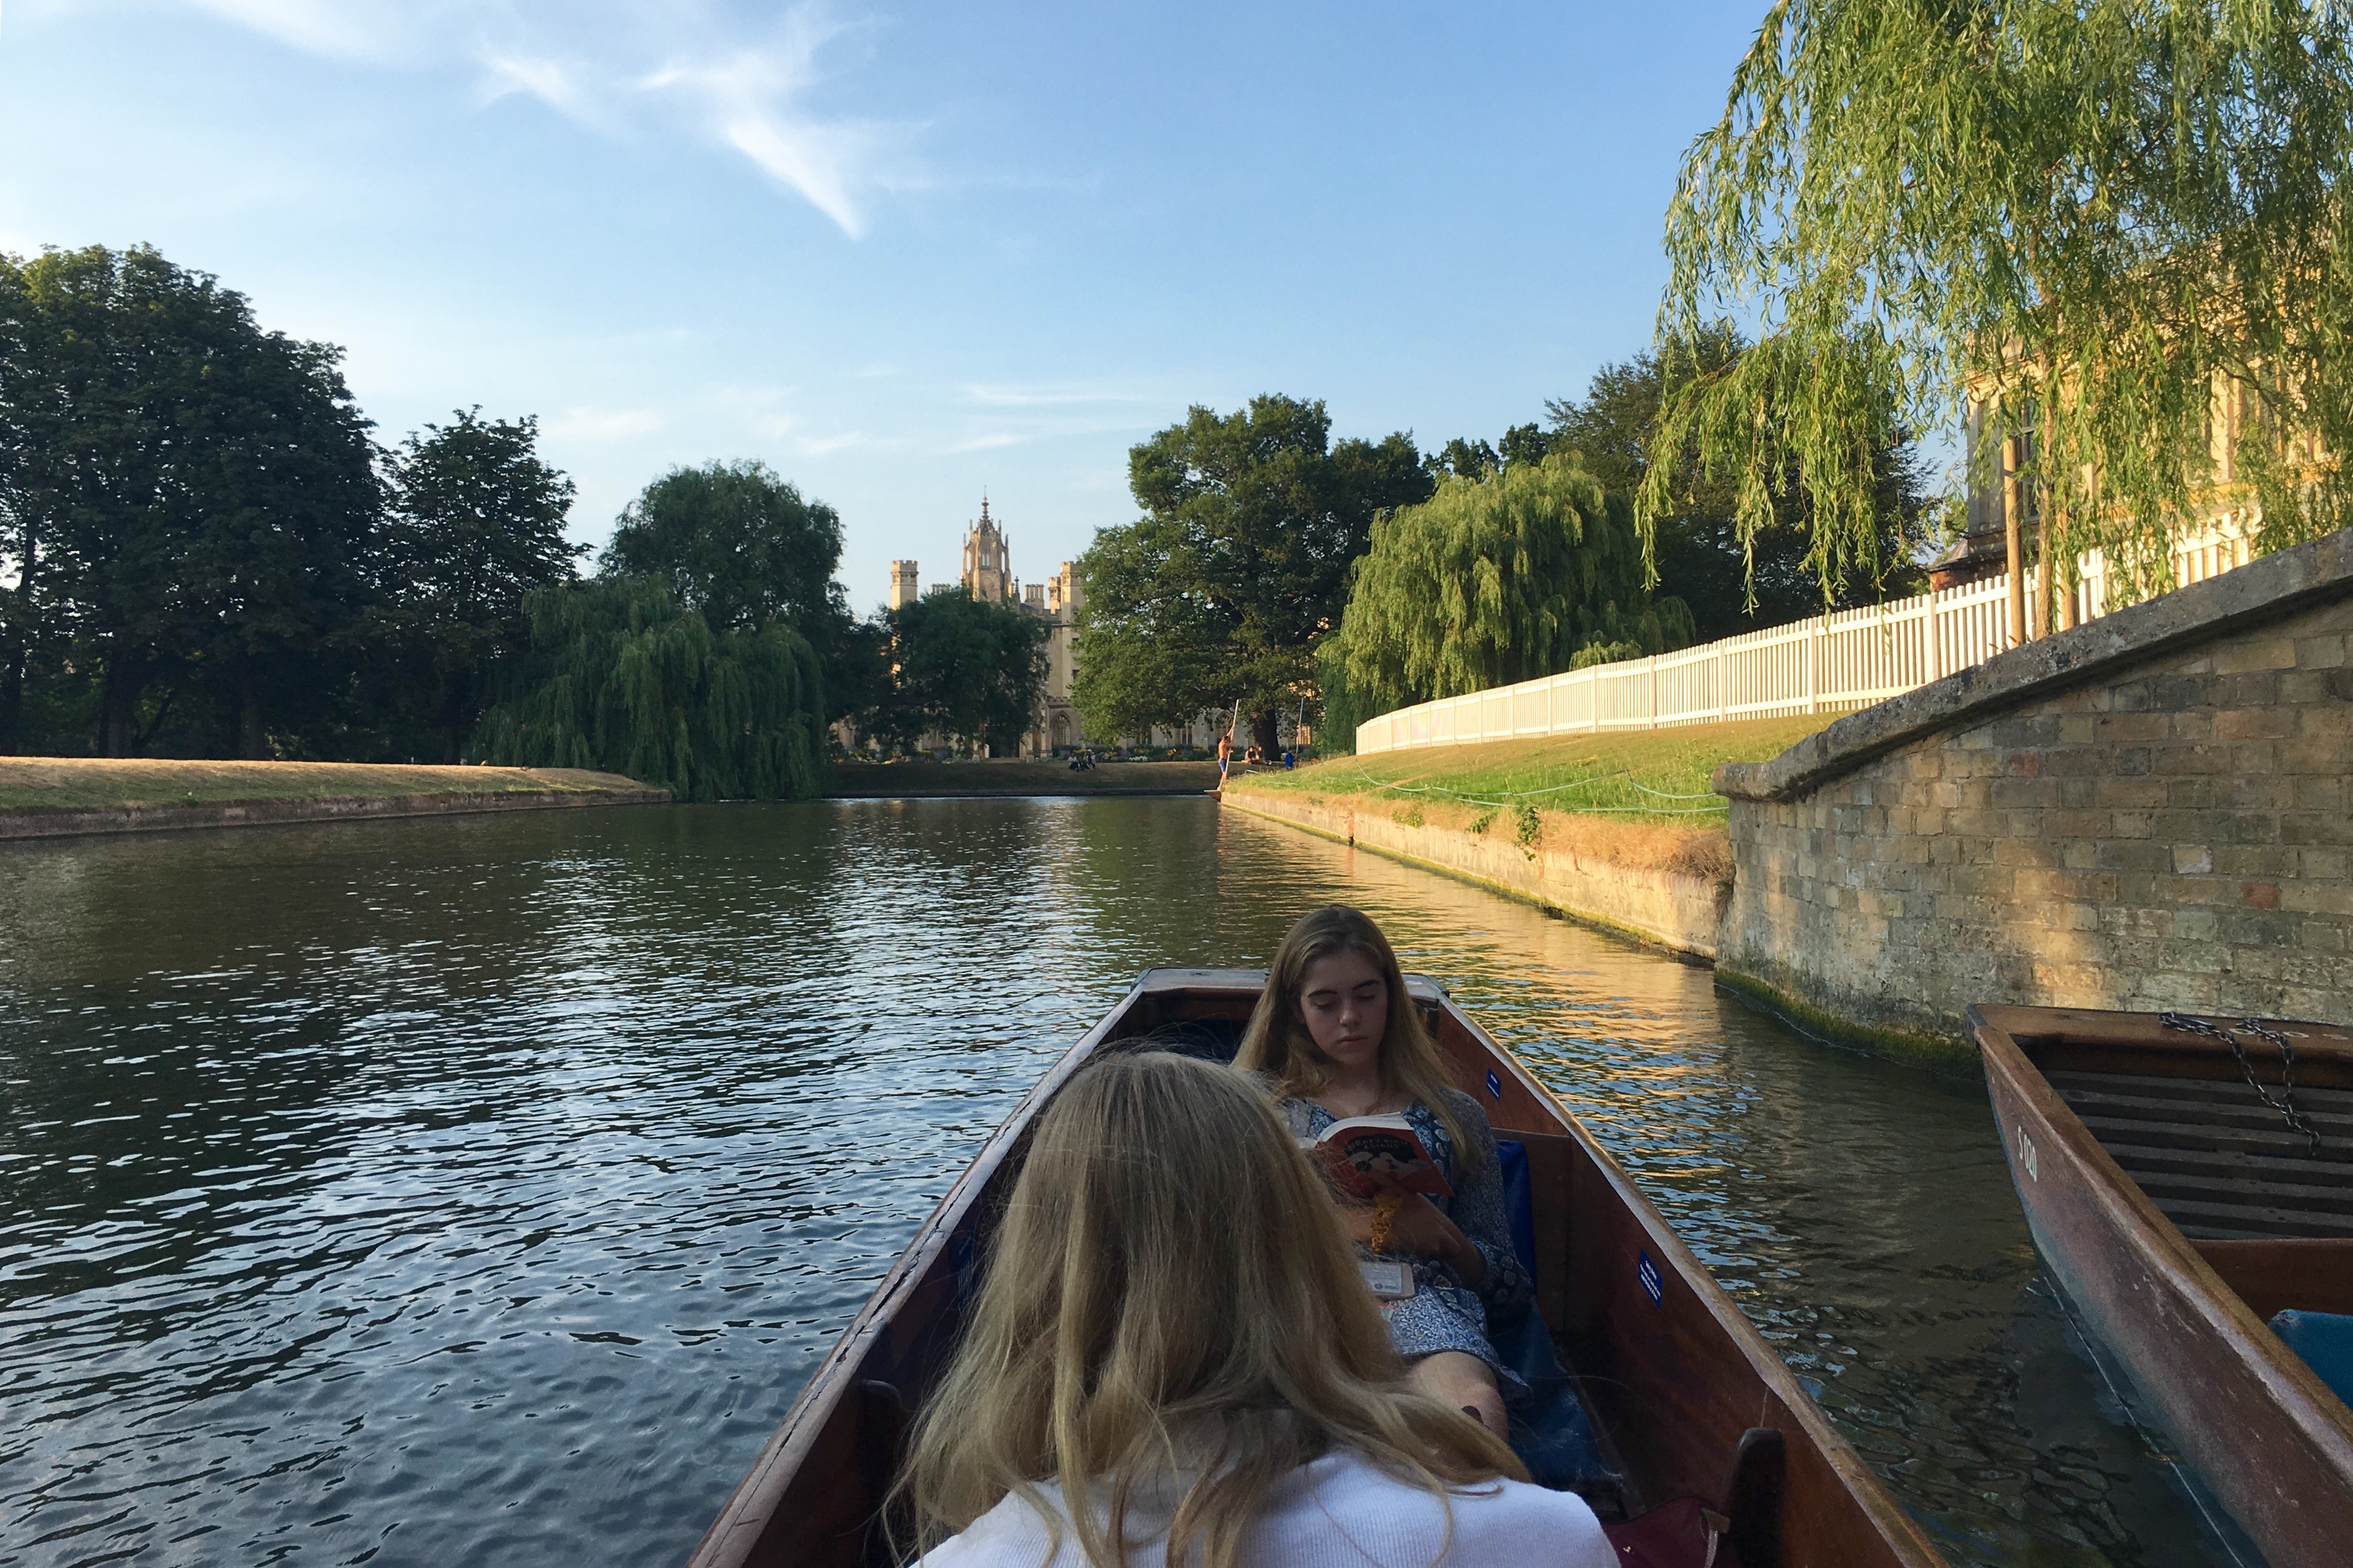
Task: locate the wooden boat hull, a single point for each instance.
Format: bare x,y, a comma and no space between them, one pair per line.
1673,1372
2185,1318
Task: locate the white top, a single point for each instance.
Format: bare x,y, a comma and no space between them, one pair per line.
1338,1511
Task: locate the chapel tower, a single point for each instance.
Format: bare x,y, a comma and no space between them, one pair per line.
988,562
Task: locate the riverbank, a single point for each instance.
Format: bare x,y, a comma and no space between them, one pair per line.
49,797
1621,832
1641,801
1013,777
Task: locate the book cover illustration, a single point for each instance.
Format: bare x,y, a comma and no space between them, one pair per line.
1368,1155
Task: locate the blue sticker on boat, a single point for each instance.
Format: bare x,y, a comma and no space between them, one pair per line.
1494,1084
1653,1286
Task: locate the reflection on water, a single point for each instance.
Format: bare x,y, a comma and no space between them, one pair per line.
484,1189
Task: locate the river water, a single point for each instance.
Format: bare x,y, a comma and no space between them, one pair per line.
483,1189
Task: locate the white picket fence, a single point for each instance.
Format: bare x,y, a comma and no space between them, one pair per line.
1832,664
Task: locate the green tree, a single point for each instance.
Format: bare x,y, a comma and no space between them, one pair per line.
1218,595
196,497
476,524
967,669
620,676
1499,580
23,407
1733,585
2097,213
738,544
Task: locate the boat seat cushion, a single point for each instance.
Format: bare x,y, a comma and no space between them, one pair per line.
2325,1340
1551,1431
1519,1200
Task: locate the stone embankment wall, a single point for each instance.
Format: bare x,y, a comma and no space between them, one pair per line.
1667,908
2154,810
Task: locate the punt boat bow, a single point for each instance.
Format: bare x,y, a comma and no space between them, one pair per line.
1680,1389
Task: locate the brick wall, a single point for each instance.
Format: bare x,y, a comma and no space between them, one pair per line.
2152,811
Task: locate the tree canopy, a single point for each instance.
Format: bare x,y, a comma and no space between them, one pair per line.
2101,215
188,499
622,678
476,522
1498,580
1219,593
963,667
1734,585
738,545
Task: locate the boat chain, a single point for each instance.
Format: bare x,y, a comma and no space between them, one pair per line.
2285,1103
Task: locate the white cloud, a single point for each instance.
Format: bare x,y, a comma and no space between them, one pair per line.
550,82
605,63
341,30
602,424
1008,397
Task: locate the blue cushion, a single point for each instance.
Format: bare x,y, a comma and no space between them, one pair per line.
1550,1432
1519,1202
2325,1340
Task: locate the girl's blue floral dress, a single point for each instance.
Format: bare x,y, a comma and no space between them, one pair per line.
1443,1314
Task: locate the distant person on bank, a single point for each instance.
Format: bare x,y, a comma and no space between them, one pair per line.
1174,1360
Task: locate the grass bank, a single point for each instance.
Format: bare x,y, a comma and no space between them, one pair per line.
1638,799
100,783
47,798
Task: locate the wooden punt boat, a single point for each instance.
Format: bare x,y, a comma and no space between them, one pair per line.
1667,1369
2178,1212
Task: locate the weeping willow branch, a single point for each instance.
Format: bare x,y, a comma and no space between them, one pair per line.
2115,218
1498,580
619,679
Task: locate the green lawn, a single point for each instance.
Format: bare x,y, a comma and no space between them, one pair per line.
96,783
1655,775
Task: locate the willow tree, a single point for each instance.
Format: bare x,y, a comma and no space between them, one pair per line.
2099,222
621,678
1496,580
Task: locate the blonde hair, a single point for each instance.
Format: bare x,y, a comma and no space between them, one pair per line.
1170,1300
1277,1048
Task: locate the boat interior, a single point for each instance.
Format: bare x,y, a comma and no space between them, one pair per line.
1652,1396
2272,1213
2267,1203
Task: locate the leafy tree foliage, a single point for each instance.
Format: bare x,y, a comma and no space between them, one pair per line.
2108,214
190,499
1218,595
1733,583
622,678
738,545
965,668
1498,580
476,524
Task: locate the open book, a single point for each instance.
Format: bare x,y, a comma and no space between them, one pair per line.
1366,1154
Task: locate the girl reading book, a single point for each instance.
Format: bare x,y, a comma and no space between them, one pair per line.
1171,1361
1336,1038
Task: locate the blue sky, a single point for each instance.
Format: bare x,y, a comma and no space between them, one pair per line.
900,252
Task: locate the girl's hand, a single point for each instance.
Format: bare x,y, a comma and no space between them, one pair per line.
1419,1230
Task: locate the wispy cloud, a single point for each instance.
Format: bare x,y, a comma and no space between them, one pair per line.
1063,396
603,423
615,66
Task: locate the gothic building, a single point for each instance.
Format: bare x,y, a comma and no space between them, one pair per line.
988,576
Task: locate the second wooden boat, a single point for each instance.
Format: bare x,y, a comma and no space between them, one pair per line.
2179,1209
1684,1398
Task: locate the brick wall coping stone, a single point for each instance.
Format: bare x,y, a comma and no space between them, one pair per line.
2266,589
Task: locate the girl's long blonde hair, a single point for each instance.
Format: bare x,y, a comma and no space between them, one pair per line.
1277,1048
1170,1303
